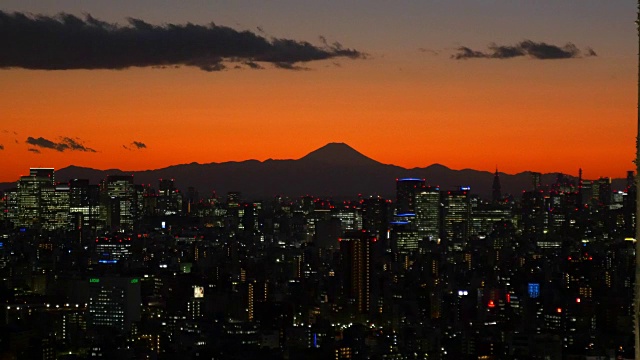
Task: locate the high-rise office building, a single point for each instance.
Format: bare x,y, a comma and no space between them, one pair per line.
457,216
120,199
406,190
356,249
534,213
604,190
113,302
404,237
56,207
427,210
169,199
31,205
112,249
43,173
84,207
350,217
375,215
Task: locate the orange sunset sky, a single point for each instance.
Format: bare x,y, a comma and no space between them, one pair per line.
406,102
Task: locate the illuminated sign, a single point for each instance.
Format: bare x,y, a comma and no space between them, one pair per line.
198,292
534,290
134,281
94,280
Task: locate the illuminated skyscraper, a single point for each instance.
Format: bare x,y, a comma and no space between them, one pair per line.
534,213
427,210
356,255
56,207
84,206
113,302
457,216
169,198
404,237
31,203
119,196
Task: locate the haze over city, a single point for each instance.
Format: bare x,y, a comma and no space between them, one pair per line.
545,86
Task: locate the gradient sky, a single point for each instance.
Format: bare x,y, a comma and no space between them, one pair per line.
407,103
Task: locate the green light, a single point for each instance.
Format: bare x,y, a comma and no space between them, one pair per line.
134,281
94,280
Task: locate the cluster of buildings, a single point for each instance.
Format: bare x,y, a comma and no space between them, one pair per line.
119,269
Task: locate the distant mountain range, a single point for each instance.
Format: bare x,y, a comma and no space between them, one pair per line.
336,170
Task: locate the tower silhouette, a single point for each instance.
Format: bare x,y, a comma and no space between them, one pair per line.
497,190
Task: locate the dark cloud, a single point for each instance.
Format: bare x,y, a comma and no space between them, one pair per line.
535,50
33,150
135,145
506,52
289,66
253,65
68,42
466,53
1,147
66,143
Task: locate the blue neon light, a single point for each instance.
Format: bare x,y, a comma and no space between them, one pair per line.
534,290
406,214
399,223
409,179
107,261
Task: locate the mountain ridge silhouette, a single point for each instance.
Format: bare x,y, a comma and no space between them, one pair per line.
333,170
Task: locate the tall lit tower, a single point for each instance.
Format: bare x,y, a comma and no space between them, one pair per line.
427,207
355,251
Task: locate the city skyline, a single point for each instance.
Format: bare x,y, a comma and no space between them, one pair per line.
406,100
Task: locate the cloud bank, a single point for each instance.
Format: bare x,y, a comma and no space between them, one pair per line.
66,143
532,49
65,42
